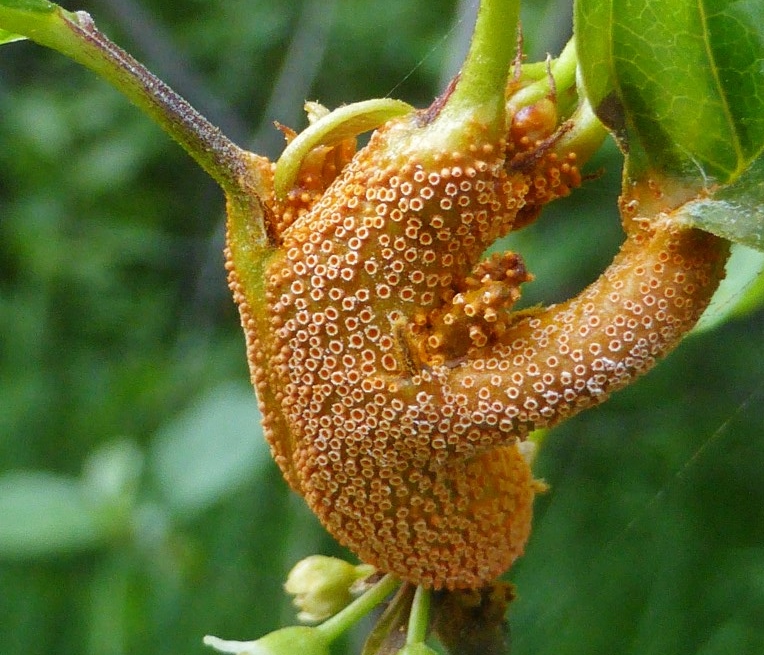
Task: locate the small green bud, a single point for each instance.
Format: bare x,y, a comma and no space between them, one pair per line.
287,641
322,586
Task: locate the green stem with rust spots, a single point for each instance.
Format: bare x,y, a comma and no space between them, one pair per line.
586,134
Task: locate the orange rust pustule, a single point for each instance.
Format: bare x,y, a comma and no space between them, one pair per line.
319,169
405,452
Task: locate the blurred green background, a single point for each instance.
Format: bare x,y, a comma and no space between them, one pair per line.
139,509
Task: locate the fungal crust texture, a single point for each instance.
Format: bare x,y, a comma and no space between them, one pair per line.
394,377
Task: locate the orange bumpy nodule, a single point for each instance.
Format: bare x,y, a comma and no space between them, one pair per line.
394,379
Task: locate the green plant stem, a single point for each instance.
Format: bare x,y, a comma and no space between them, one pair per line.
563,72
481,86
360,607
586,135
419,617
346,122
587,132
76,36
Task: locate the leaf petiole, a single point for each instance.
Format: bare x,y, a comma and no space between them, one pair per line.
360,607
562,70
420,617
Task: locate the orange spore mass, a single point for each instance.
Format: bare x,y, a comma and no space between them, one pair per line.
393,377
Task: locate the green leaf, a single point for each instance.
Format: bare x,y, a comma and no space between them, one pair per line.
9,37
210,450
740,293
112,472
735,211
32,6
680,83
21,15
44,514
29,5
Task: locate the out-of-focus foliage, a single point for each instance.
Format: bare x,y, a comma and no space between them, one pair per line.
150,512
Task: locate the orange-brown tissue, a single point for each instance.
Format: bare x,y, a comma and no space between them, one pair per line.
395,380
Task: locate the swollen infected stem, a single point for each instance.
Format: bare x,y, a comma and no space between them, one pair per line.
393,376
572,355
